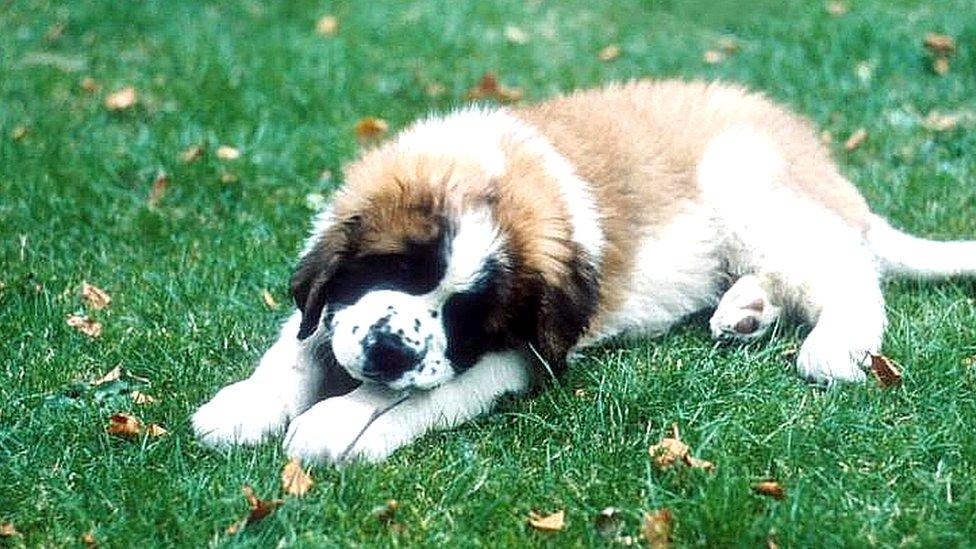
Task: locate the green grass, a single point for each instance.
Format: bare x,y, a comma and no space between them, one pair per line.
863,466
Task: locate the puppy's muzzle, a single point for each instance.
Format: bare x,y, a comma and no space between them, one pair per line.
387,355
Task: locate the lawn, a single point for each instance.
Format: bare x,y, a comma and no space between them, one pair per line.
186,266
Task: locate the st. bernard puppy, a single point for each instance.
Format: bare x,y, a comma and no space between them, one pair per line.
472,254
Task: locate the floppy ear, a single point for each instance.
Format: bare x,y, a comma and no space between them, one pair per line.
310,282
564,311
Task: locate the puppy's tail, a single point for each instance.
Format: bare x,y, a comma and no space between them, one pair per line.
901,254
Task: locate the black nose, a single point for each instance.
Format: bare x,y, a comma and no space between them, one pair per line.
387,357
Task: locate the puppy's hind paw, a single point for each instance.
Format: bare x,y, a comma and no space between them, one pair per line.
745,312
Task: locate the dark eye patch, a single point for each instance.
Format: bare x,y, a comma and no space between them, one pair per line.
466,318
416,271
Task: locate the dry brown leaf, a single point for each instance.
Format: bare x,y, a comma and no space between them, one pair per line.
548,523
89,540
18,133
940,44
940,65
260,508
89,85
327,25
856,139
668,451
191,154
111,375
939,122
95,297
226,152
385,513
122,99
370,128
713,57
269,299
488,87
656,528
155,430
837,8
696,463
123,425
7,530
158,189
515,35
295,480
85,325
142,398
770,488
885,371
609,53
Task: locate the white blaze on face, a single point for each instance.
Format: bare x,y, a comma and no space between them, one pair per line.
417,321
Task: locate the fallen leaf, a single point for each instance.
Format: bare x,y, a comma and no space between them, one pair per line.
89,85
7,530
370,128
580,393
121,100
728,45
939,122
837,8
123,425
295,480
111,375
771,542
18,133
713,57
158,189
940,65
142,398
269,299
155,430
225,152
85,325
770,488
696,463
668,451
435,89
385,513
885,371
940,44
327,25
609,53
191,154
515,35
548,523
89,540
488,87
609,523
260,508
856,139
656,528
95,297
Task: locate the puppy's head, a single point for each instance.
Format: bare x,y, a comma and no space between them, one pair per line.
422,265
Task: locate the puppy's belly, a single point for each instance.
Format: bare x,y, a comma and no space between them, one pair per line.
677,271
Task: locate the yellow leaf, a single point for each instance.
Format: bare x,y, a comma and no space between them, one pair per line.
155,430
85,325
123,425
609,53
656,528
122,99
856,139
770,488
370,128
94,296
327,25
269,299
225,152
111,375
295,480
142,398
548,523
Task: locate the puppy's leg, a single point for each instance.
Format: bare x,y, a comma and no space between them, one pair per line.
844,303
247,411
745,312
328,431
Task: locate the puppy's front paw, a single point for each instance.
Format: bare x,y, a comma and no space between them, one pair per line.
825,357
242,413
328,431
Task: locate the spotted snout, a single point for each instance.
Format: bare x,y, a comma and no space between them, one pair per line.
389,351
